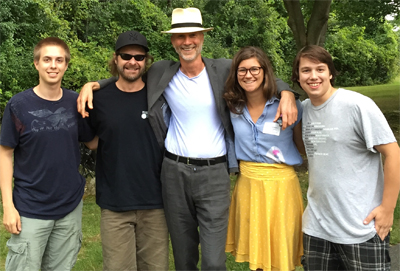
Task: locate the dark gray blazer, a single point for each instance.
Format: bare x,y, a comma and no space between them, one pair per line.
158,78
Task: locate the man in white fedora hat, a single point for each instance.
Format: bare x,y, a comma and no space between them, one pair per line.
186,20
190,118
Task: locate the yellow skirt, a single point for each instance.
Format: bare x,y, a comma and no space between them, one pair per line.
265,217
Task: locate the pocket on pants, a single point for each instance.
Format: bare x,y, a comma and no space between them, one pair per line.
377,240
78,248
17,257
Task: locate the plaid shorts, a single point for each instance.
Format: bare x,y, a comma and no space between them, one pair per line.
322,255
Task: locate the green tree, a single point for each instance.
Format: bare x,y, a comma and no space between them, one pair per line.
317,23
364,13
110,18
20,21
309,19
90,27
363,44
362,59
239,23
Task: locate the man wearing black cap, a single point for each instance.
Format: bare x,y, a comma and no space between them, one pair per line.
133,228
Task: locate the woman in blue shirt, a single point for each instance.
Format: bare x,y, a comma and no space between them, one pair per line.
266,209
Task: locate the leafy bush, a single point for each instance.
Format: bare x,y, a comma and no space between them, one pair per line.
362,61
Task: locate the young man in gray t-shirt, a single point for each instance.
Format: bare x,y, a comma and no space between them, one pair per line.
350,201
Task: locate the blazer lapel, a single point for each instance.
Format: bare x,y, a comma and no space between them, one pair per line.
215,82
163,80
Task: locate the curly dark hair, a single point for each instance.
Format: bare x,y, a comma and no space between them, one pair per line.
234,94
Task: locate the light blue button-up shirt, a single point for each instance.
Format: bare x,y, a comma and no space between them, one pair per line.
260,142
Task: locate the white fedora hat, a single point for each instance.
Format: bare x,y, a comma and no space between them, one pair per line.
186,20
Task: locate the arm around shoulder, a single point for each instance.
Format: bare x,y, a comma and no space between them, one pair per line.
105,82
86,94
287,106
283,86
86,97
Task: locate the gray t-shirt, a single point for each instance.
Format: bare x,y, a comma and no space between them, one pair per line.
345,171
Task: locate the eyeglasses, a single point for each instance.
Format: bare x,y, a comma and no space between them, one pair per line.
129,57
253,70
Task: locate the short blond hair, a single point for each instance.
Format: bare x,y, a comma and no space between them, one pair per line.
51,41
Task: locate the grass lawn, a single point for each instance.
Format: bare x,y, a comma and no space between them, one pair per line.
90,258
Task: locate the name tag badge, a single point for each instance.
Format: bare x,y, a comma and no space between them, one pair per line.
272,128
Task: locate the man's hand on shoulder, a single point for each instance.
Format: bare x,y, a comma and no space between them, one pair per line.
287,109
86,96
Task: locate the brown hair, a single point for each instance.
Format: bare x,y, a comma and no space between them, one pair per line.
316,54
234,95
51,41
113,66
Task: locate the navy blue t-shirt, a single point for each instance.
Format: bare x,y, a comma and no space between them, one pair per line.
45,137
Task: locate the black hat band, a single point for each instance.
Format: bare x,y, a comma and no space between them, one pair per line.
186,25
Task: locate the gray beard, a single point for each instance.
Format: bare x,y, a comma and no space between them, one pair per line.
198,52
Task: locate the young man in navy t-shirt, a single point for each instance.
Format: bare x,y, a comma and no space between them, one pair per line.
40,134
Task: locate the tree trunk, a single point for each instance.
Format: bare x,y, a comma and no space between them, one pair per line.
323,35
296,22
316,26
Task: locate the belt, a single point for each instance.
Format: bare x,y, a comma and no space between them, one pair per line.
195,161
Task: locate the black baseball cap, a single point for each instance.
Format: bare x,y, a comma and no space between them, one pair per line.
131,38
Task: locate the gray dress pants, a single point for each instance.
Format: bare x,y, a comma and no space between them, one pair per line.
196,204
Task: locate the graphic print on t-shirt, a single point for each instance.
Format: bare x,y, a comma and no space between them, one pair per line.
48,121
315,133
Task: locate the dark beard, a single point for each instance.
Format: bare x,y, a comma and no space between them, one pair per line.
131,78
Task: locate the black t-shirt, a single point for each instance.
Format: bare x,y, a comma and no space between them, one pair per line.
129,158
45,136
